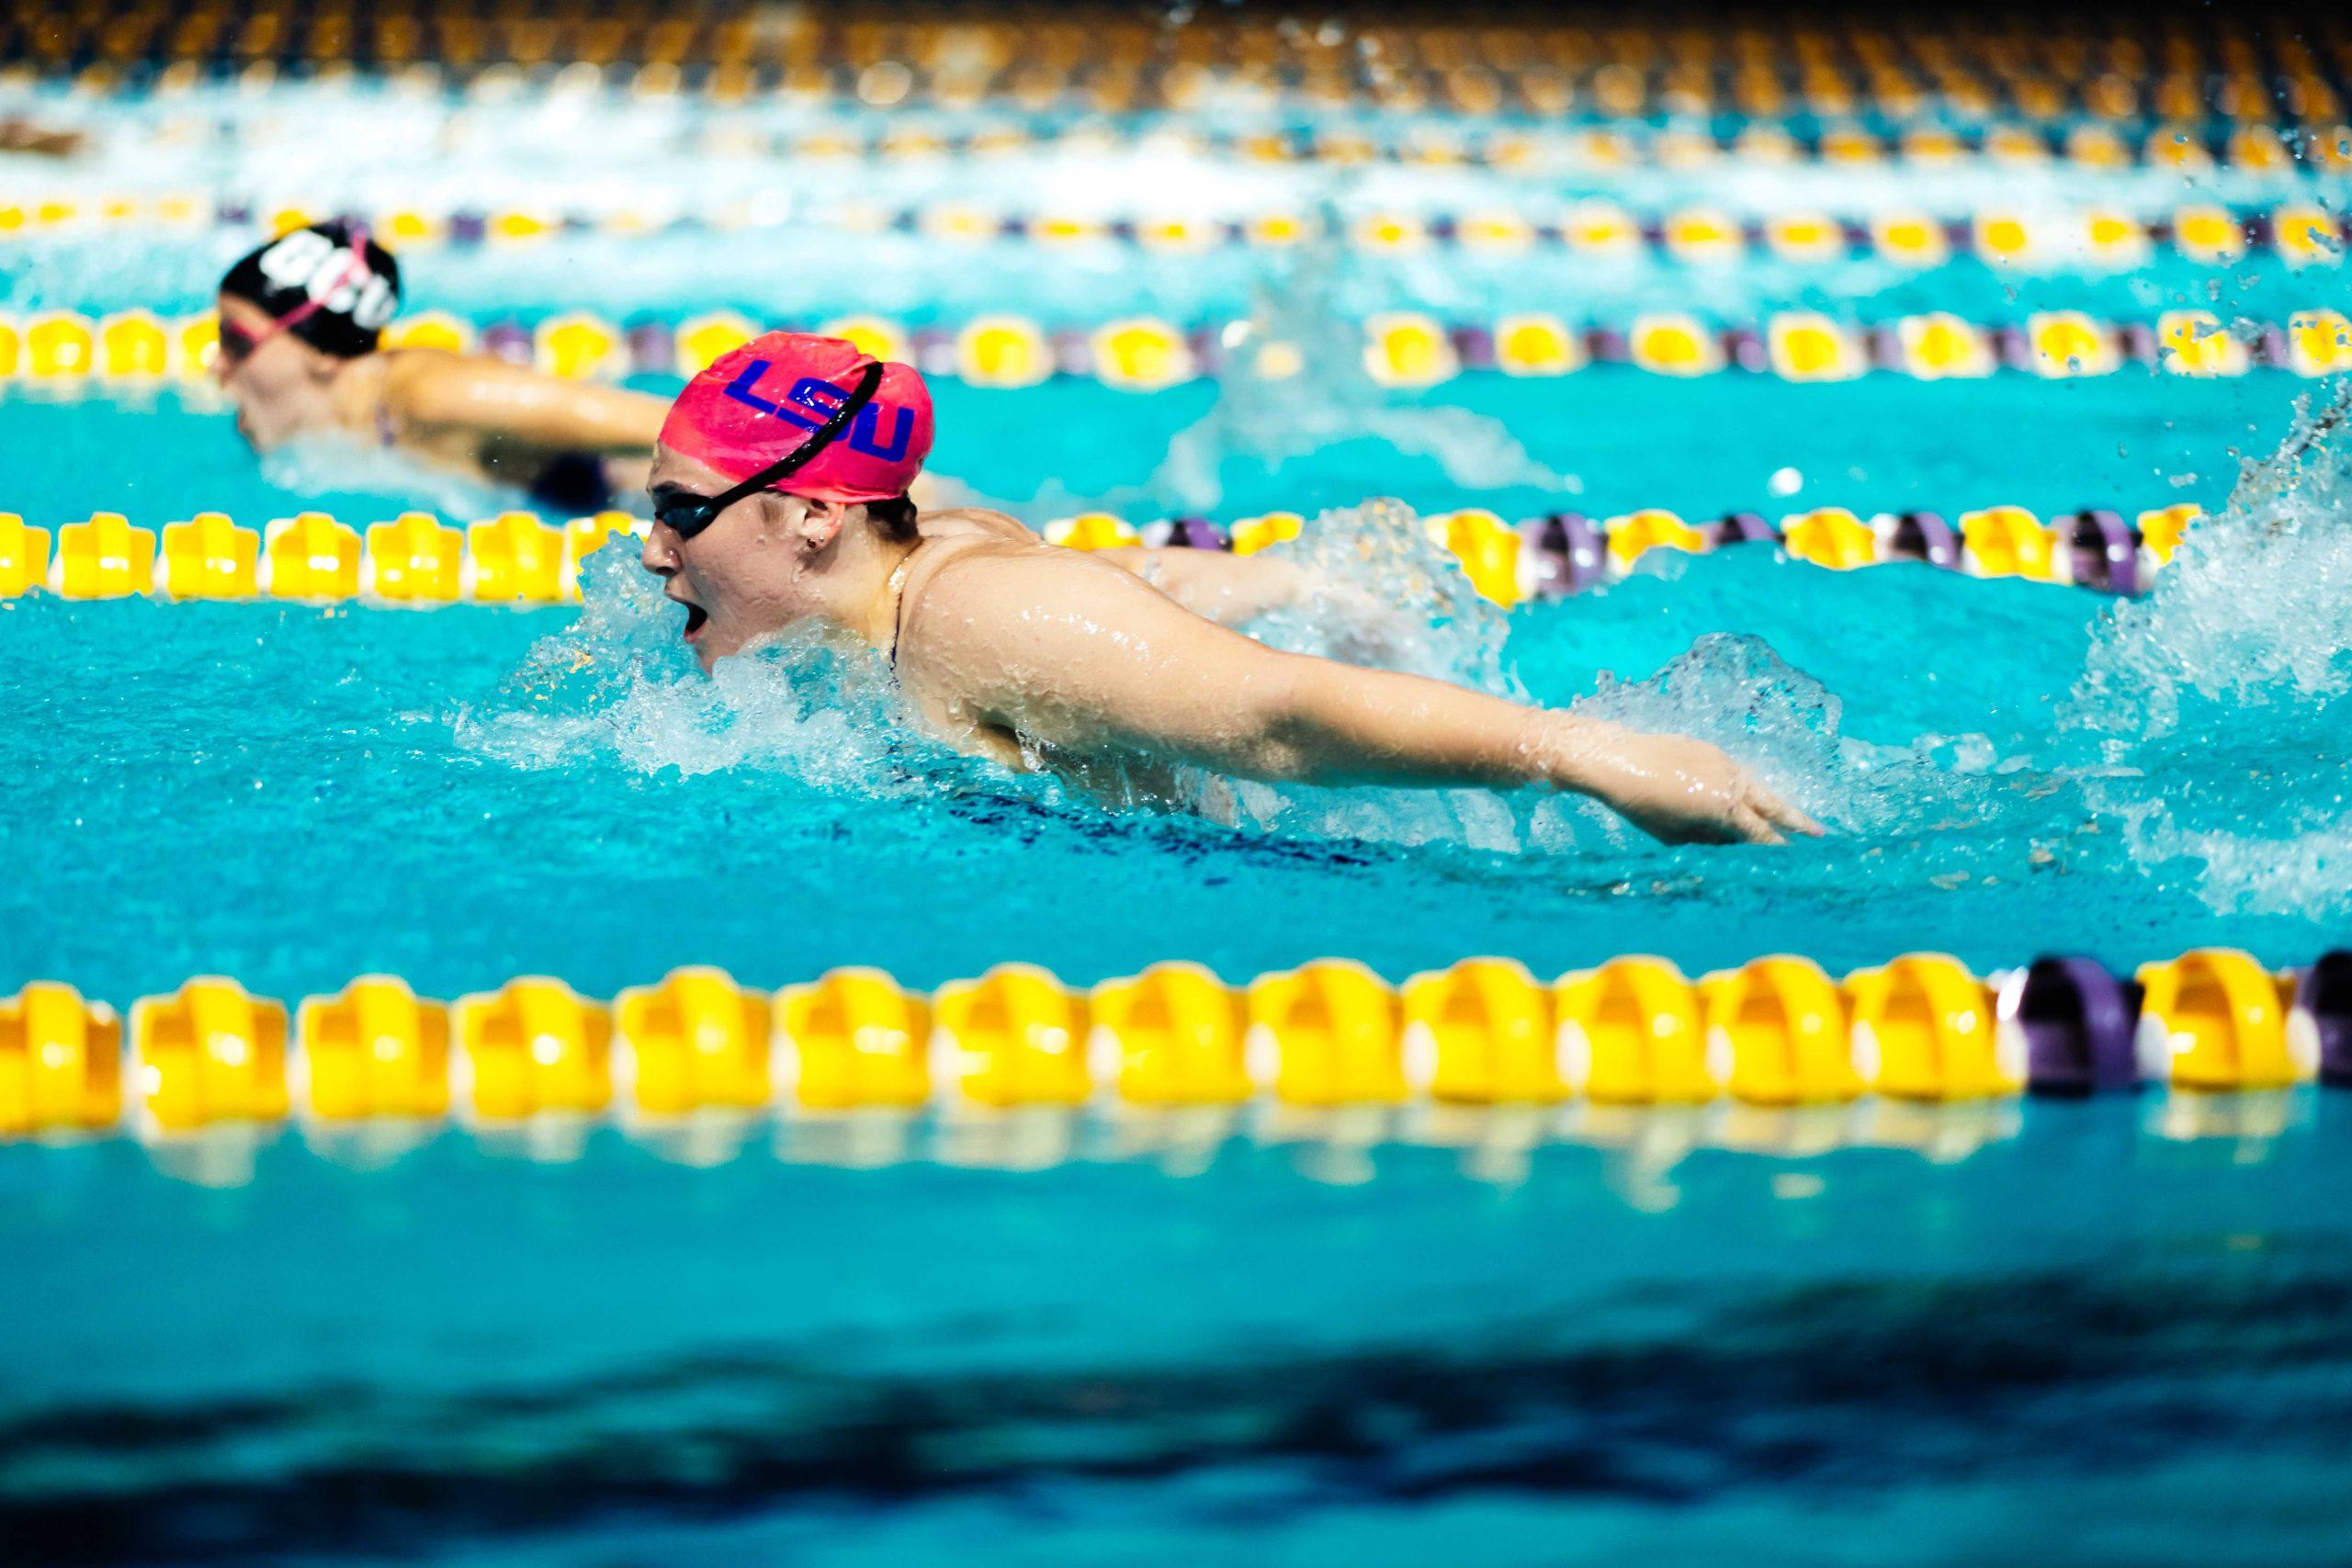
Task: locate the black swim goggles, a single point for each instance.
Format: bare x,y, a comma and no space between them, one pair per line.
686,514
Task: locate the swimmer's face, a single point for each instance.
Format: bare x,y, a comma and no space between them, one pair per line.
278,381
747,575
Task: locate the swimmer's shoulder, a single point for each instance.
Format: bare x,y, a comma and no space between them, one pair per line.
974,542
976,524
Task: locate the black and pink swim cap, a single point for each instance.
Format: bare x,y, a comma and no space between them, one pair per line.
332,287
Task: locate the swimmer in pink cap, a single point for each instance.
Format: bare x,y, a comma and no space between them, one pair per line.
780,498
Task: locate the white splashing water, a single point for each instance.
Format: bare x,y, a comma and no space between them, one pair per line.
2255,608
618,684
2237,664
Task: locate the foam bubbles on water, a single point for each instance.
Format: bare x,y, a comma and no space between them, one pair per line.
618,684
1736,692
2252,611
2225,689
1389,596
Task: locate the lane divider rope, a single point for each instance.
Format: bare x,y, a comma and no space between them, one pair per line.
2303,234
64,350
515,559
1777,1033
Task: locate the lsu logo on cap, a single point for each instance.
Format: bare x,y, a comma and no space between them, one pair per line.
820,399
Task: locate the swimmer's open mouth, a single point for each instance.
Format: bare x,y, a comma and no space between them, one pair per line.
696,618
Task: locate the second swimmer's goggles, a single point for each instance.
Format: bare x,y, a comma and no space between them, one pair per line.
686,514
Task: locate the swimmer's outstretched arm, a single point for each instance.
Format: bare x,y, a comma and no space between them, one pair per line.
1073,655
498,402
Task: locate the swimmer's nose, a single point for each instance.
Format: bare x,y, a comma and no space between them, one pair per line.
660,553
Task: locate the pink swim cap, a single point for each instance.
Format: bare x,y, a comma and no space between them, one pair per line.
758,402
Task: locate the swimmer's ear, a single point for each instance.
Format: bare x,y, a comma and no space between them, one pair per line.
820,523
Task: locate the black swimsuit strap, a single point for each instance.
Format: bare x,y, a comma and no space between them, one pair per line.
899,610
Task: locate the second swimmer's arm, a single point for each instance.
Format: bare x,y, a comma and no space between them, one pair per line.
1075,657
504,403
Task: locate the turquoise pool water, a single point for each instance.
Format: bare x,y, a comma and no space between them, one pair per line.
1861,1355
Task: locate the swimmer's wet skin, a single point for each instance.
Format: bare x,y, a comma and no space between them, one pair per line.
300,354
779,490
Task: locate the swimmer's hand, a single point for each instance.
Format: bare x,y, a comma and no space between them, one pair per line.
1670,786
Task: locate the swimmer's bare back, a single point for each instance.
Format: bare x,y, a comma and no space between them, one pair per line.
506,422
1035,655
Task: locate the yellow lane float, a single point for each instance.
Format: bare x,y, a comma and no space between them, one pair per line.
2195,342
2307,236
1016,1036
59,345
853,1040
208,556
2009,541
1669,344
1486,547
1631,1033
1328,1033
1174,1035
1482,1033
1777,1033
1254,533
874,335
533,1047
413,559
24,556
1003,351
2069,343
1831,536
1141,354
1805,237
1805,345
1909,239
695,1041
103,557
702,339
60,1063
1408,348
517,559
207,1052
312,556
2161,530
1537,342
439,329
2213,1019
2319,342
1939,346
1636,533
575,345
1093,530
1924,1029
377,1049
134,345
